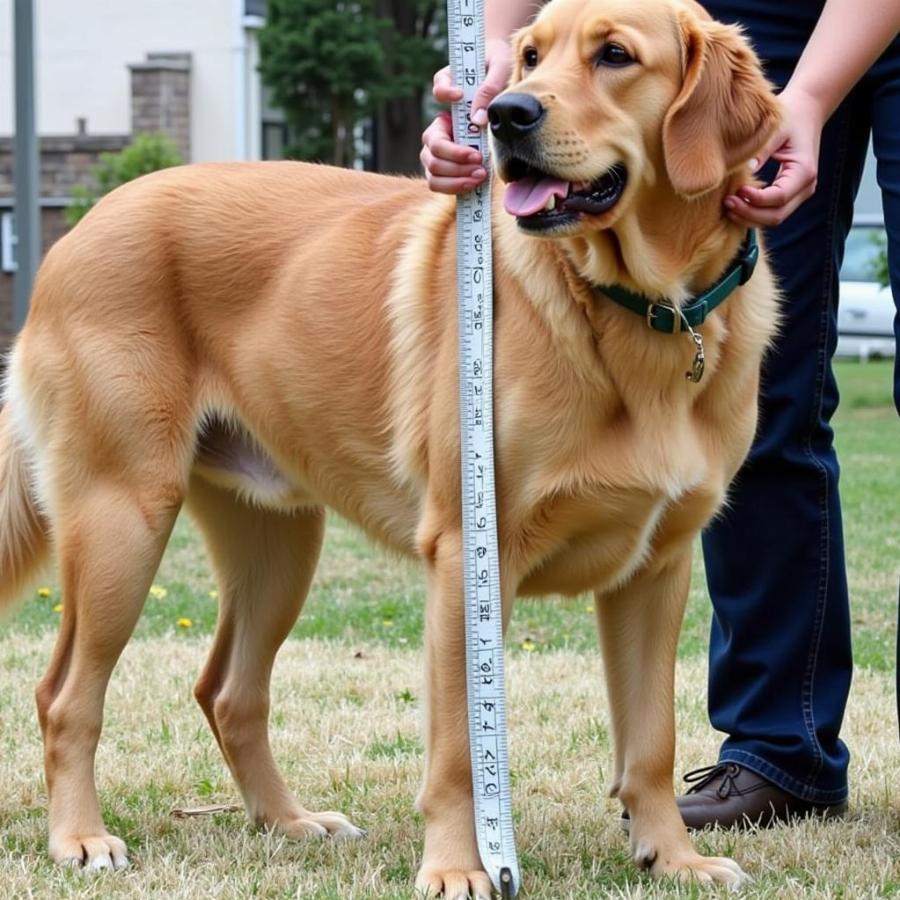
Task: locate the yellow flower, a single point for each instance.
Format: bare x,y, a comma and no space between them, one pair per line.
213,594
58,608
184,623
528,645
44,592
388,623
158,593
589,609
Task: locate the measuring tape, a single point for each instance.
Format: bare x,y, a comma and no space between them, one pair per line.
481,557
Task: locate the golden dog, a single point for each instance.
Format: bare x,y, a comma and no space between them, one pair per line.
264,341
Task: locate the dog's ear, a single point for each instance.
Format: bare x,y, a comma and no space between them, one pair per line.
725,112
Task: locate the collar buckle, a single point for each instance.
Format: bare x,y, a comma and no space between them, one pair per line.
694,313
652,316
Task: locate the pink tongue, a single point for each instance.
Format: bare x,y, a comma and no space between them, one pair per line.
530,195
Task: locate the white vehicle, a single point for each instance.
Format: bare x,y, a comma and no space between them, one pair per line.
866,309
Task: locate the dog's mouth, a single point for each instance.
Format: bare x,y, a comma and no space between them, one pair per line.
540,201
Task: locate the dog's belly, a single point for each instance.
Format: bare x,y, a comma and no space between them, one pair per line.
229,457
604,552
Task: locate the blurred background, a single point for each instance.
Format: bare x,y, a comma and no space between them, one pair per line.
123,87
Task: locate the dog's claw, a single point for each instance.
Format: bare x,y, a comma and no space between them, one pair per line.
453,885
705,870
323,825
96,853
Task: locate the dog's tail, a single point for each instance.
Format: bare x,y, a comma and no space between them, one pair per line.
24,538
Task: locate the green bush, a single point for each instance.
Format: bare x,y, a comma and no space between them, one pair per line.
880,263
146,153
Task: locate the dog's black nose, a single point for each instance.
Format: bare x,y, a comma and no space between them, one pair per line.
514,115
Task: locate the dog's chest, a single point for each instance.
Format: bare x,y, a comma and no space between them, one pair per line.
594,541
593,518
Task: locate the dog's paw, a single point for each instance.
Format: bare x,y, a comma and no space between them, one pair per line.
453,885
691,867
323,825
90,852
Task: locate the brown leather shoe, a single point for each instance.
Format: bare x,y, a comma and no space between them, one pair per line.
729,795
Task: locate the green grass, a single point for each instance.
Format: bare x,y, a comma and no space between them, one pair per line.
364,756
362,595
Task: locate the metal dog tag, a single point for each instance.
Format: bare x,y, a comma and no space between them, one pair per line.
698,366
481,558
699,363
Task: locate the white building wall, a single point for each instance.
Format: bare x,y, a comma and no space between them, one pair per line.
83,48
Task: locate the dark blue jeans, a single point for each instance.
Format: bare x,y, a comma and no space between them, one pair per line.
780,660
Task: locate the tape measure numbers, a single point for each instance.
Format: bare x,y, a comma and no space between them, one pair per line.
484,609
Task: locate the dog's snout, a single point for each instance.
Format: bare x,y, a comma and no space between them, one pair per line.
514,115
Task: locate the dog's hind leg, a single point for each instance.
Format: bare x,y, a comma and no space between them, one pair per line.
639,627
265,562
110,537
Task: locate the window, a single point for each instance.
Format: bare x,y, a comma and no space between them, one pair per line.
274,140
7,242
275,133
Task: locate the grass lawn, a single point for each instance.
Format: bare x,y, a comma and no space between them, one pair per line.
346,712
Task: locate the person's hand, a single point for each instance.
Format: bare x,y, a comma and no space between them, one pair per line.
451,168
796,148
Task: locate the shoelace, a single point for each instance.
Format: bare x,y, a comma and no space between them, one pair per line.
700,778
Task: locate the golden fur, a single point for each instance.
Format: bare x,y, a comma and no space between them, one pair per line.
263,341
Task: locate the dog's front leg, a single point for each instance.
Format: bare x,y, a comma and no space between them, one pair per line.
639,627
451,864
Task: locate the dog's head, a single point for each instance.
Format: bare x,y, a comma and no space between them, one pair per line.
609,98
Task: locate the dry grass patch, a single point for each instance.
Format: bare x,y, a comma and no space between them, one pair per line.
346,730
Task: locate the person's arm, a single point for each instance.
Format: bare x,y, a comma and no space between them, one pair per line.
449,167
849,36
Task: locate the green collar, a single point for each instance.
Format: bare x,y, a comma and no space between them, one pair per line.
665,317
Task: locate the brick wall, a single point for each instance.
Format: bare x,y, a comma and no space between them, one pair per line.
66,160
161,98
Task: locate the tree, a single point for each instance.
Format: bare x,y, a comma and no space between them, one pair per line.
146,153
330,63
398,121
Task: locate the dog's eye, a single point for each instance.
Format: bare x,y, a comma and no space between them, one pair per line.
530,57
613,55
